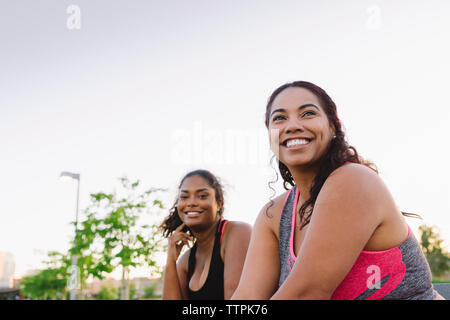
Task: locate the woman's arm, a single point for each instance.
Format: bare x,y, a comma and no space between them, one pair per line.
260,275
235,243
349,208
175,274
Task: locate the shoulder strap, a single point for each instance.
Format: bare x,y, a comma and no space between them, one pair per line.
221,228
285,201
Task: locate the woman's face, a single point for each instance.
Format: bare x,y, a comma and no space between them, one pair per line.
299,128
197,205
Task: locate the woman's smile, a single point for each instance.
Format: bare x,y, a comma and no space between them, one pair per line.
296,143
193,214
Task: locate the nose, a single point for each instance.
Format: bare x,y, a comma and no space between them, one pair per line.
191,202
293,125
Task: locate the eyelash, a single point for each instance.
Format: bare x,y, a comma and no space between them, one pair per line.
202,196
311,112
275,119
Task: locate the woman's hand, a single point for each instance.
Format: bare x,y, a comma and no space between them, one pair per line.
175,279
177,241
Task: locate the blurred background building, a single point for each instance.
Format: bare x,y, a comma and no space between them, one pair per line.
7,268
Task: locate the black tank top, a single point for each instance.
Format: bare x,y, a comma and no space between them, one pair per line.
213,288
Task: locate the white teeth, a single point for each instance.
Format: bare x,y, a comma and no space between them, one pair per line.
191,213
296,142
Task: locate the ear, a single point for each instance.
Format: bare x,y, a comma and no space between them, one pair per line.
333,132
220,205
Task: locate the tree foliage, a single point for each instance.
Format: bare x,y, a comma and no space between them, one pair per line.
107,292
150,292
112,236
49,283
432,246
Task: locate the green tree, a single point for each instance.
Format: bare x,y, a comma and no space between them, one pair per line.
112,235
89,261
49,283
150,292
437,257
132,291
107,292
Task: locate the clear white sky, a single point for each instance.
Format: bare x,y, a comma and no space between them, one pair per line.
153,89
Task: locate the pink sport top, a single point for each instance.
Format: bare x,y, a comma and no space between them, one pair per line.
401,272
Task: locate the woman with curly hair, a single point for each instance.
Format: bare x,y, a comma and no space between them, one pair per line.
336,233
211,269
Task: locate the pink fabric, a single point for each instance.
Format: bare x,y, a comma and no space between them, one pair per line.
389,263
291,241
357,280
223,228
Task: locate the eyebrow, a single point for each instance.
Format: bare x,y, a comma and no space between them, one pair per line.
199,190
303,106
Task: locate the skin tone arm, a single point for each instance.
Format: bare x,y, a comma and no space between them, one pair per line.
175,275
236,238
350,207
261,271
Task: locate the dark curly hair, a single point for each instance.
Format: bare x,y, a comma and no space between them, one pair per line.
172,221
338,152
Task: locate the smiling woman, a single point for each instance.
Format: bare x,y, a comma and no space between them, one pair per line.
212,267
337,232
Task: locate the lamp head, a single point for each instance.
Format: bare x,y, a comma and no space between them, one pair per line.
75,176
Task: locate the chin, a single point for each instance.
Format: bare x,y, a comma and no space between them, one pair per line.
195,222
297,161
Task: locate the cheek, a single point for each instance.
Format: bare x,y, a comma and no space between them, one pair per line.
326,138
180,215
212,207
324,128
180,206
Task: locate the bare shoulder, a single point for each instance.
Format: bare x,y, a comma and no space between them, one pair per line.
236,237
237,227
272,208
358,192
271,212
236,230
357,186
353,172
354,178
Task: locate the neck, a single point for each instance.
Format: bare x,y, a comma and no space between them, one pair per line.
205,237
303,178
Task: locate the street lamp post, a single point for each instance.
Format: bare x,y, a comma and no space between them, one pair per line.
75,176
